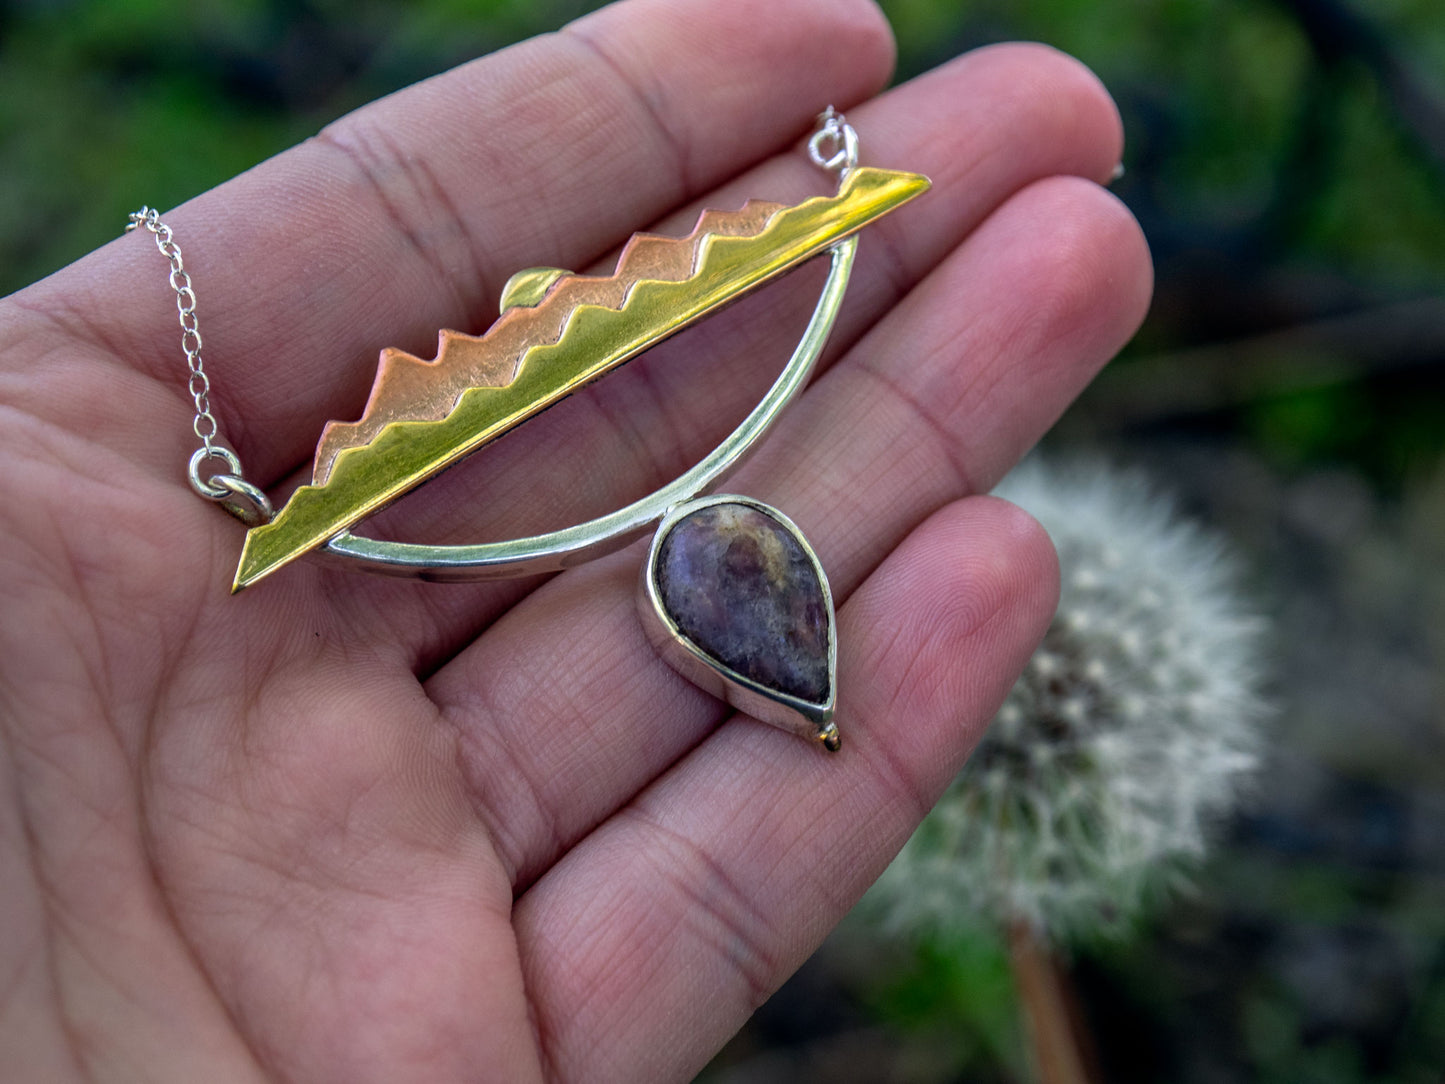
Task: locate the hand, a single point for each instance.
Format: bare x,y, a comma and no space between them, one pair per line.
348,828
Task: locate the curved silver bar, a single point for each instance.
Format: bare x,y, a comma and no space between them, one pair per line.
584,542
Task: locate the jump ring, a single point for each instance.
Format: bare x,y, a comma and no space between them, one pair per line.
842,143
252,507
207,487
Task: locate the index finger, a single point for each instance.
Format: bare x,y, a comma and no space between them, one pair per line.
409,214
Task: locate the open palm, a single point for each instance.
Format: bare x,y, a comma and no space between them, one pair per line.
347,828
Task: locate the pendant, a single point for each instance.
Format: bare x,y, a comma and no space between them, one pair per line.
736,601
733,595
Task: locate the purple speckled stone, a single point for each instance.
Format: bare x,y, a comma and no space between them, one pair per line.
739,586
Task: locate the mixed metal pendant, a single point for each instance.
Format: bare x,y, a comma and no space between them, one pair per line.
732,595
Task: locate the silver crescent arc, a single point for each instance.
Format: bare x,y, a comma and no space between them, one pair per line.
595,538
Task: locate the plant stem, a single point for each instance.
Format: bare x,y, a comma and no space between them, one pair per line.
1053,1030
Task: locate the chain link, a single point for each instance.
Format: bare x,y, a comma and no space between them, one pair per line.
228,487
834,146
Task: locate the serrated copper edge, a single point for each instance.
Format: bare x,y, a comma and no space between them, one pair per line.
409,388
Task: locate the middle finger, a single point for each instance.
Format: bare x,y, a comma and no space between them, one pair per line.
564,710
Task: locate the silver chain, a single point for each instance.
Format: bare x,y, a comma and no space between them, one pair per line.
833,147
228,487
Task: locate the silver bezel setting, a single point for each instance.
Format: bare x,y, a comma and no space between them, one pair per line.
813,721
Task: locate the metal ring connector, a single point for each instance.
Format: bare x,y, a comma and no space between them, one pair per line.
207,487
228,489
251,506
834,146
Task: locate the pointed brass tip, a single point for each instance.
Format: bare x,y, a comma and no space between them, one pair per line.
253,565
245,577
897,187
831,739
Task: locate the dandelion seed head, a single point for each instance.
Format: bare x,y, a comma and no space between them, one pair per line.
1129,735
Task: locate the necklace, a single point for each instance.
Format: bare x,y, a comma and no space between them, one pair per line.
731,594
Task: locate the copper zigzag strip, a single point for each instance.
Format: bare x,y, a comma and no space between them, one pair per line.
408,388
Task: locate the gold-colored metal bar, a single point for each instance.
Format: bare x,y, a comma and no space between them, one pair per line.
593,340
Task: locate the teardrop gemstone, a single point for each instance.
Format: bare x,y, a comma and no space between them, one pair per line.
745,589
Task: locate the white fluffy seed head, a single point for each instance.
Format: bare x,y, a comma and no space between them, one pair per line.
1130,732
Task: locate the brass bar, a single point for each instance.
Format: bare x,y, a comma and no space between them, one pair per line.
359,473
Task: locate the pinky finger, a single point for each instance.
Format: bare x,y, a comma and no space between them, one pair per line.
652,941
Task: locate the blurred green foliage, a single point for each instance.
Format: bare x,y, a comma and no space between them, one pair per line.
1241,129
1243,119
108,104
956,995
